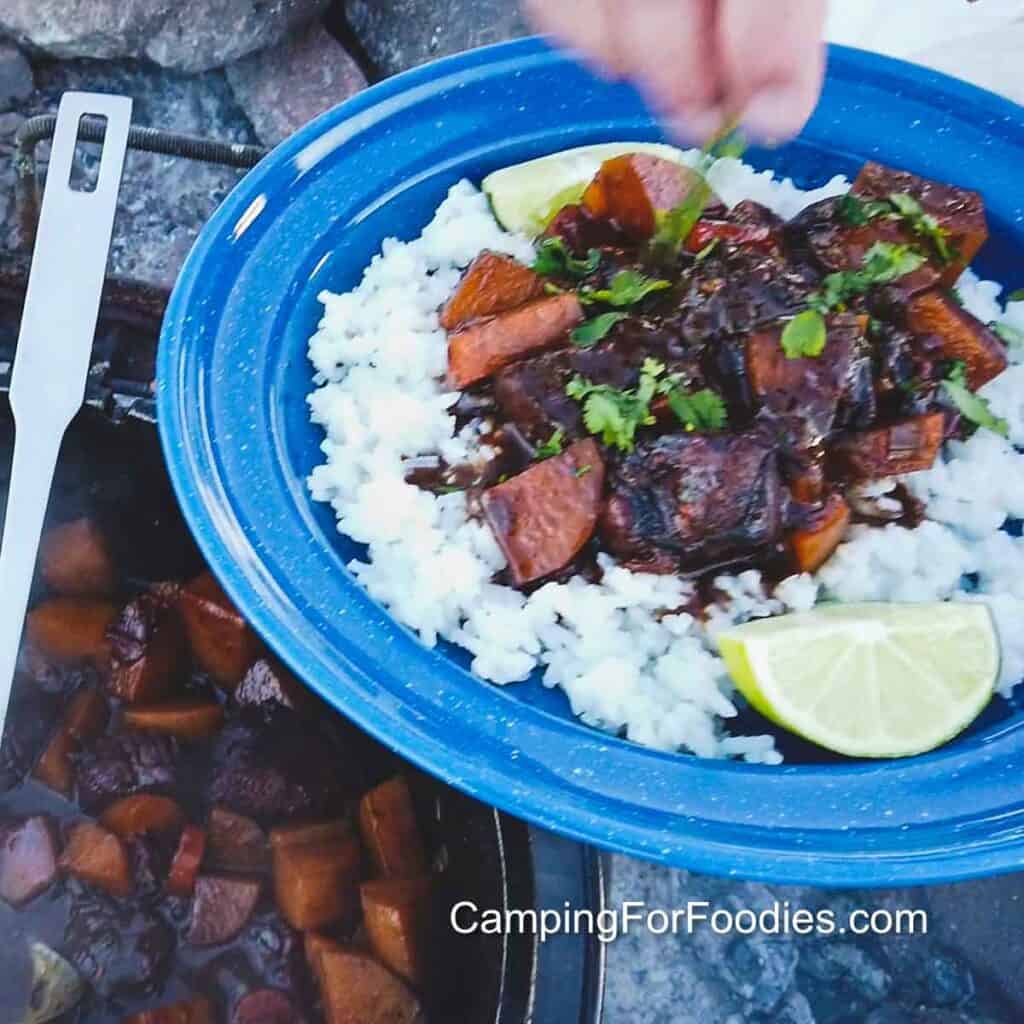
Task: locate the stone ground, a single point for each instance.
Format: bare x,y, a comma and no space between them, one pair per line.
965,971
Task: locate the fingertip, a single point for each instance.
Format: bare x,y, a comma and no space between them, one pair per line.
695,127
779,111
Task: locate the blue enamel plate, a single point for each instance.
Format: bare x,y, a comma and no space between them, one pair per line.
233,380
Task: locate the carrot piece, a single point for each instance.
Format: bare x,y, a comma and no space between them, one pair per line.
86,717
493,283
236,843
70,629
542,518
905,447
197,1010
149,652
142,813
962,335
28,859
390,834
316,874
222,642
98,857
188,858
221,908
813,548
186,719
75,560
398,915
633,189
356,989
485,346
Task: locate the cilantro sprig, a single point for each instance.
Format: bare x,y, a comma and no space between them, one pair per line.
970,405
554,259
551,447
674,226
701,411
627,288
1010,334
858,211
616,415
591,332
884,262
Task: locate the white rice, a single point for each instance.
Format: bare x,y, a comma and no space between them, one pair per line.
380,356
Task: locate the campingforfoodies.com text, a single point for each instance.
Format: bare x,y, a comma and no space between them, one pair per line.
466,918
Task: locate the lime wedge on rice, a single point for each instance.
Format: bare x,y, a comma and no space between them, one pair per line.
526,196
868,680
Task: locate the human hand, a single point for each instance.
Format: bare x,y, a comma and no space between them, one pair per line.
702,62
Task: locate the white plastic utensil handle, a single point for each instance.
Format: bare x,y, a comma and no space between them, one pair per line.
51,364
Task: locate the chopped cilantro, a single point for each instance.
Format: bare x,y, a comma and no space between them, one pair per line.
551,447
594,330
971,406
627,288
883,262
707,250
805,335
583,471
857,211
1010,334
555,260
614,414
701,411
1016,296
675,225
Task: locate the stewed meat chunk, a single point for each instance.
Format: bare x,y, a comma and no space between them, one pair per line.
687,501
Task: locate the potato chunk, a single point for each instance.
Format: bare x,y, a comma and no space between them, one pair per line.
222,642
962,336
316,873
98,857
185,719
390,834
75,560
493,283
70,629
813,547
86,718
221,908
356,989
632,189
543,517
482,348
397,913
143,814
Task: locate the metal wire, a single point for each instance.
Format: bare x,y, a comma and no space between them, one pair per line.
149,140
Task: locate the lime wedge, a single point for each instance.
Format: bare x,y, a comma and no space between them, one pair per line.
526,196
869,680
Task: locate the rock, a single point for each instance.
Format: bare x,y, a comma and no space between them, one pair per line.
283,88
399,34
948,981
191,35
16,80
981,921
9,125
200,35
795,1010
164,200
